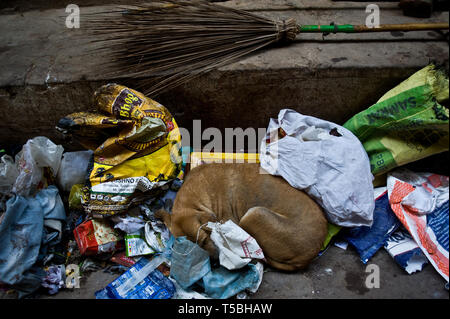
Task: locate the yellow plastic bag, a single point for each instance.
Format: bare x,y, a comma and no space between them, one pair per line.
136,144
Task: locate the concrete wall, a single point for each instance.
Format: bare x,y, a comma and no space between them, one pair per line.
47,71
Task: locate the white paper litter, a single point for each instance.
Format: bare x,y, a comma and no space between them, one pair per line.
236,247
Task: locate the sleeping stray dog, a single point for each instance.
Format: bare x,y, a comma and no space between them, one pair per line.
288,225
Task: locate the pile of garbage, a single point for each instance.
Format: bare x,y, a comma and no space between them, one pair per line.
66,214
408,213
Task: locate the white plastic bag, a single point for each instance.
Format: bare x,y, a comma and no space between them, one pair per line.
73,169
36,154
236,247
8,174
326,161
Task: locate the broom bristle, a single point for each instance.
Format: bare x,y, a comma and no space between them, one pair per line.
171,42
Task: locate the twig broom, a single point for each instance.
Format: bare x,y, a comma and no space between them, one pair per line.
178,40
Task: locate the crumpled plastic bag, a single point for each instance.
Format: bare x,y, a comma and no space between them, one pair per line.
37,154
136,143
429,229
73,169
325,160
368,240
189,262
128,224
8,174
236,247
221,283
54,279
23,234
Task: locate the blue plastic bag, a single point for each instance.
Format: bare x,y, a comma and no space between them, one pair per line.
368,240
23,235
222,283
189,262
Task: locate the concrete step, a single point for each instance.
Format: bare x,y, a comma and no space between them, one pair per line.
47,73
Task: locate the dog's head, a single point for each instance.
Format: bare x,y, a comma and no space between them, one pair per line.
194,229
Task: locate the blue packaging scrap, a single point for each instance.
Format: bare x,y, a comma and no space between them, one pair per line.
154,286
368,240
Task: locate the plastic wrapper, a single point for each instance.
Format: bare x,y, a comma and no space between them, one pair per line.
73,169
222,283
429,229
135,245
75,195
37,154
325,160
189,262
408,123
54,279
128,224
121,259
141,281
406,253
236,247
8,174
96,237
136,144
368,240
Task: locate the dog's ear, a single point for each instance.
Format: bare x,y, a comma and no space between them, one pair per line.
165,216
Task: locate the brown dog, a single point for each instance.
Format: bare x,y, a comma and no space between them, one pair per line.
287,224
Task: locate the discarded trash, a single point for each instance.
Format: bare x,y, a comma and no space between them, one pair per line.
406,253
333,230
222,283
189,262
90,265
27,227
141,157
408,123
37,154
128,224
368,240
121,259
54,279
430,230
135,245
97,236
180,293
236,247
75,195
324,159
8,174
73,169
141,281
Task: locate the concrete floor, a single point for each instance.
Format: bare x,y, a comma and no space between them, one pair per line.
337,274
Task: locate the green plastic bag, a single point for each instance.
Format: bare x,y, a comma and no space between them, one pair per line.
407,124
76,192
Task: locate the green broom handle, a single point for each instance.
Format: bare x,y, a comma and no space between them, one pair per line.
350,28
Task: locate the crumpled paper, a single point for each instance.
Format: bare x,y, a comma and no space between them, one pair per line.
236,247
